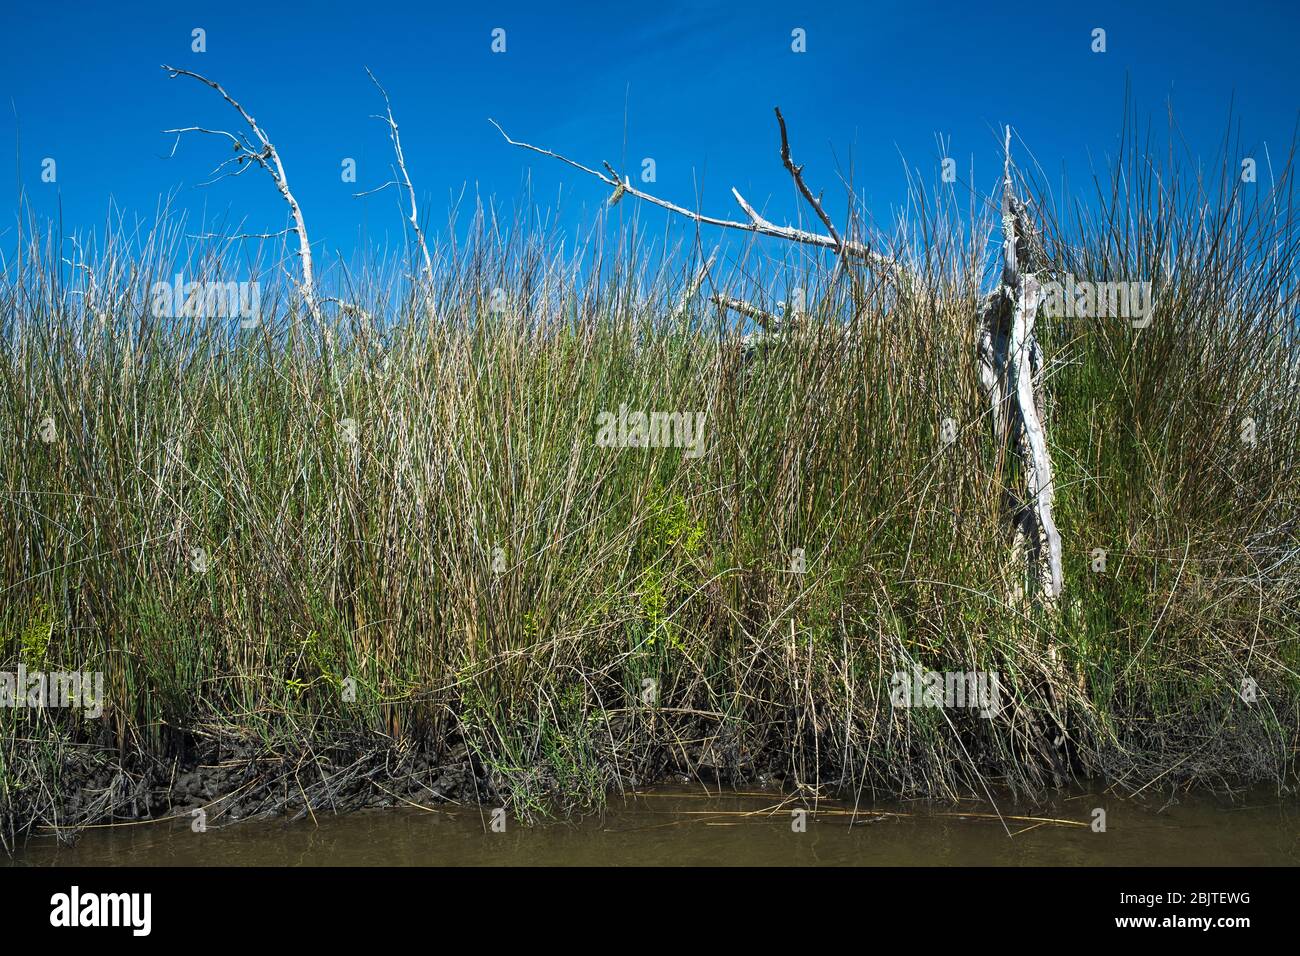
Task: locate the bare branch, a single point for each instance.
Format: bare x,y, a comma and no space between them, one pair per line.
797,173
377,189
414,217
755,224
238,160
268,158
767,320
241,144
348,308
243,235
1039,483
693,288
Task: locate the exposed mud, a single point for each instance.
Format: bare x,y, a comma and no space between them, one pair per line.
218,776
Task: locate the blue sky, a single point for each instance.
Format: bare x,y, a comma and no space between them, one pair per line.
694,83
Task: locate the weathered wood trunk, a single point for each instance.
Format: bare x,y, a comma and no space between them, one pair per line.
1011,372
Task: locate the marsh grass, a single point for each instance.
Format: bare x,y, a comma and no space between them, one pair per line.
208,530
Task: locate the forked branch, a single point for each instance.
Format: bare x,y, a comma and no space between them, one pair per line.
797,173
754,221
261,152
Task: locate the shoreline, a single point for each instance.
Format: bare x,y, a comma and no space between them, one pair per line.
227,780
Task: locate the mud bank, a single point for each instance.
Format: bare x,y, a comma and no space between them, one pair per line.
223,780
218,779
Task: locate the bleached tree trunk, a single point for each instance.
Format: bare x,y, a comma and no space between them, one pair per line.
1011,366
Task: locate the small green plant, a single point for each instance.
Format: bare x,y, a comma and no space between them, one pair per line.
322,657
37,630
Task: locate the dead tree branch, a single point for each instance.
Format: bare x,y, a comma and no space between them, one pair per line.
261,153
693,288
754,222
797,173
405,183
768,322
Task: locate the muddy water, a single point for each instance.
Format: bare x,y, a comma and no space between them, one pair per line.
684,827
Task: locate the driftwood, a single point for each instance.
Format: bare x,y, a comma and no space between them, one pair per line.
769,324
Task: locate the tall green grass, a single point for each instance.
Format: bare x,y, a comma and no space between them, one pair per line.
205,530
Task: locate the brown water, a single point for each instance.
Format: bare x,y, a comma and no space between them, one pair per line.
685,827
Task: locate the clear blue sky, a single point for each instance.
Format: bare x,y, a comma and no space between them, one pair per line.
695,81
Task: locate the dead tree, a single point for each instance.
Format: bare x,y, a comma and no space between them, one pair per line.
754,222
847,250
1010,359
258,151
1011,373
